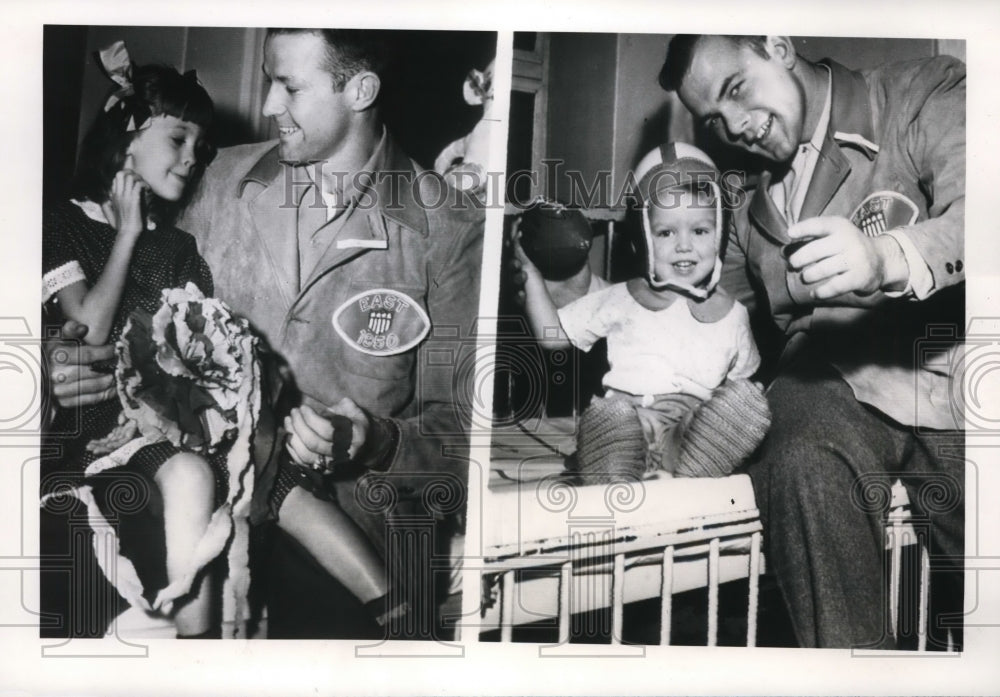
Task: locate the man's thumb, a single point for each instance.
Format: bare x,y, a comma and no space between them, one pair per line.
74,330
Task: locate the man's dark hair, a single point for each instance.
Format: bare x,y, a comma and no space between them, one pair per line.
349,51
680,52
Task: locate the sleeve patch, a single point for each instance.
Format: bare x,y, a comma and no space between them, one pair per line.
381,322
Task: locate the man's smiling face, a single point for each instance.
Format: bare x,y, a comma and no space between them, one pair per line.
313,118
746,99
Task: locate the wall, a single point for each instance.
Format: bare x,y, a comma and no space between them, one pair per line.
644,112
422,99
212,52
582,103
859,54
606,109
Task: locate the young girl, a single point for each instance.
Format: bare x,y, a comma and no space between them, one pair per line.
112,250
680,349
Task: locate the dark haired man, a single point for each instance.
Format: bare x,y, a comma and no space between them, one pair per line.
330,243
853,239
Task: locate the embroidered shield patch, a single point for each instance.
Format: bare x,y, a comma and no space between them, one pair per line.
884,210
381,322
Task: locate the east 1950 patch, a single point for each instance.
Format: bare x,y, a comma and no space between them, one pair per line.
884,210
381,322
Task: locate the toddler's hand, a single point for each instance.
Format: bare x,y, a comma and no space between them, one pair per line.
522,262
125,201
521,267
521,270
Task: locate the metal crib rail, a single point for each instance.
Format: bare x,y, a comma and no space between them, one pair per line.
583,570
556,577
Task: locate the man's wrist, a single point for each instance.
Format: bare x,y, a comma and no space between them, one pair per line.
380,447
895,270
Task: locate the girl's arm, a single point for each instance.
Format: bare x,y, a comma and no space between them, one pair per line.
97,306
541,311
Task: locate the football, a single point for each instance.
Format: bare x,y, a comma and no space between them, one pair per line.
556,238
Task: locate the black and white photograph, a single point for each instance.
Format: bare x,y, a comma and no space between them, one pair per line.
254,423
542,347
763,450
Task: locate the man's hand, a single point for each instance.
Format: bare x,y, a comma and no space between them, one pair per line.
314,438
74,382
838,258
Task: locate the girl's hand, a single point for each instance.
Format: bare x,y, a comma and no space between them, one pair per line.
125,201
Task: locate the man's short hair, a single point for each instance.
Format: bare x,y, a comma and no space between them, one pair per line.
349,51
680,52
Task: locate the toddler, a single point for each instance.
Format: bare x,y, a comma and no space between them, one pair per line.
678,397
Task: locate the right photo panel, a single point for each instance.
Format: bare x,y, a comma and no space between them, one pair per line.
732,300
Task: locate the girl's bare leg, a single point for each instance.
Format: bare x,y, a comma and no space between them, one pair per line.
336,542
188,489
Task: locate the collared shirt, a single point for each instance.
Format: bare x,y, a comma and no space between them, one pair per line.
333,200
804,162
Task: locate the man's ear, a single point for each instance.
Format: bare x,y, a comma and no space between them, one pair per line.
781,49
363,88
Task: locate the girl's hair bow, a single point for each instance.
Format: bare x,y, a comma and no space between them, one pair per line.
117,66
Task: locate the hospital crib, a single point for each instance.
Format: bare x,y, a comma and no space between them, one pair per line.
555,551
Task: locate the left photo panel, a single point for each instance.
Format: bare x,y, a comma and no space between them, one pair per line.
262,259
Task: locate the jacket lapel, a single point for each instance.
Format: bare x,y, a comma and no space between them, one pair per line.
831,170
850,113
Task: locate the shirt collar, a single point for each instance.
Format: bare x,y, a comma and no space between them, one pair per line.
394,194
268,167
91,210
352,192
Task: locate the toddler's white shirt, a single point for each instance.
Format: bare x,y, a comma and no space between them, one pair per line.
663,351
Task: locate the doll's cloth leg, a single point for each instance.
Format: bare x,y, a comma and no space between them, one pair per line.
824,539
